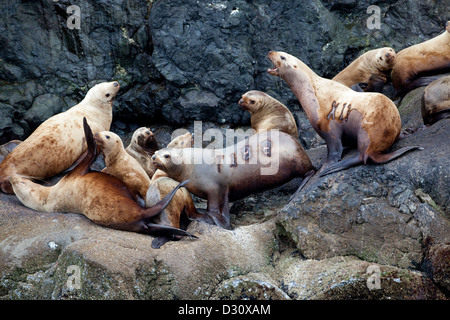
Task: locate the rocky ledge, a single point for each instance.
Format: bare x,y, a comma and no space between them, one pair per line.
370,232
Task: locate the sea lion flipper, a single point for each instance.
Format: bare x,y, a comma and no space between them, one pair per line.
306,178
161,205
84,163
164,234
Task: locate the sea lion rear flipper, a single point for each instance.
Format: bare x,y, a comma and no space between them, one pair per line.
161,205
306,178
163,234
85,162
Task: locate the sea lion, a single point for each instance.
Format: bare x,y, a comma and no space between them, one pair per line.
260,162
182,141
121,164
416,65
338,113
374,62
102,198
268,113
59,141
142,146
436,101
6,148
175,214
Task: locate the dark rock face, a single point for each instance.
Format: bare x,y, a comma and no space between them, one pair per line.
179,61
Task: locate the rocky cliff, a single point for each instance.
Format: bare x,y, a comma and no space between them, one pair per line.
370,232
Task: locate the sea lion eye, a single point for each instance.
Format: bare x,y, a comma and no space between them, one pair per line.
166,156
107,137
283,58
107,95
147,132
252,101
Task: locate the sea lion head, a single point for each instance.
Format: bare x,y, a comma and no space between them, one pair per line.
102,93
385,58
109,142
182,141
168,160
284,62
252,100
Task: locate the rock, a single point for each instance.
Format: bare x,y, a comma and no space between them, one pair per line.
165,53
384,214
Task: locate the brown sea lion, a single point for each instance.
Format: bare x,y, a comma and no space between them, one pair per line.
260,162
142,146
102,198
59,141
436,101
416,65
377,62
121,164
175,214
268,113
338,113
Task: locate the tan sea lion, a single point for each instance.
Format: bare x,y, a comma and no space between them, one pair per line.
142,146
6,148
436,101
102,198
268,113
374,62
260,162
339,113
121,164
59,141
175,214
416,65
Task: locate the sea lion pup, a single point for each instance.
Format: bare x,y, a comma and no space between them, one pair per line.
415,65
268,113
436,101
142,146
182,141
176,212
59,141
102,198
261,162
121,164
338,113
374,62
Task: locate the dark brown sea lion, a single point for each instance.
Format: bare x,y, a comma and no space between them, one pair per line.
339,113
